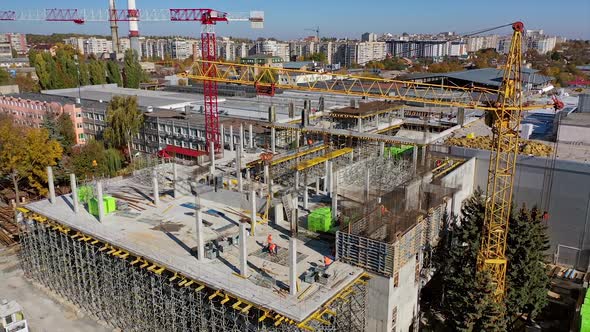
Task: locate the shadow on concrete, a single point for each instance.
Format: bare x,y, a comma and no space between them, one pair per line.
69,202
142,194
228,264
178,241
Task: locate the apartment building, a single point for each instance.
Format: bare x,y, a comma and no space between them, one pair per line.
363,52
30,110
5,47
97,46
18,42
76,42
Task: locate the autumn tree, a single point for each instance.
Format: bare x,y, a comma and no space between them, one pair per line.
124,119
61,128
24,155
4,77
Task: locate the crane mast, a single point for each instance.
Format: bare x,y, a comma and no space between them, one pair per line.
505,133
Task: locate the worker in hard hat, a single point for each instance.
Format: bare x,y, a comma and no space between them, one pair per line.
272,249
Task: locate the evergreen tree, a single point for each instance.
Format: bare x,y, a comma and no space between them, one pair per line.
526,280
61,129
113,73
458,275
4,77
491,314
132,72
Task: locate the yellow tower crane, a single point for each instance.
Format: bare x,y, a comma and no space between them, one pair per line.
504,106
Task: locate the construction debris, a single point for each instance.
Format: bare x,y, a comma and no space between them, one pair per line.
527,147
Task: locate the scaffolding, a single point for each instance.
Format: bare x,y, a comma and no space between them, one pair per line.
132,293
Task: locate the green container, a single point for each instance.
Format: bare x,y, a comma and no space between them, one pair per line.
396,152
320,220
109,203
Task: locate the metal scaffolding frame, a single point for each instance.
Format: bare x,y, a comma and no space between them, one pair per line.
132,293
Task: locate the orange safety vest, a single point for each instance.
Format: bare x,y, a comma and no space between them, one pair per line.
327,260
269,238
272,247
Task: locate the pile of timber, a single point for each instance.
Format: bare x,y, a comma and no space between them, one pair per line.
8,228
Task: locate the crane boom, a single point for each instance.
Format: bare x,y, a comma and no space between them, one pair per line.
390,89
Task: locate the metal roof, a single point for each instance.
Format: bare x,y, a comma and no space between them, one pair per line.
485,76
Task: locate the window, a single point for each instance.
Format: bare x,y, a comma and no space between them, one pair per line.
78,125
193,133
81,136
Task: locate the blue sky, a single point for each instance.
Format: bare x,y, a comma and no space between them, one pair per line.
286,19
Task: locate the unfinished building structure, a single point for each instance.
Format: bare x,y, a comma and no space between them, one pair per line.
184,249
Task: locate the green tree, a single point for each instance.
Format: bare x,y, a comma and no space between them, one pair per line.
85,157
55,79
113,73
84,74
526,280
318,57
132,72
114,161
24,155
124,121
459,299
42,71
14,53
97,72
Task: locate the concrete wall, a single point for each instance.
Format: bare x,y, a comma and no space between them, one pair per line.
568,133
569,202
462,179
383,297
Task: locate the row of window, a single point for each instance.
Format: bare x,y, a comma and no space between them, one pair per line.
94,116
33,106
148,149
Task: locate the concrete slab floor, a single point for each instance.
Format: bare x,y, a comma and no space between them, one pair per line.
42,312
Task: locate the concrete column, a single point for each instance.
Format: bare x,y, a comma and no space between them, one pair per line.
381,149
352,155
242,135
155,188
296,180
243,251
293,266
334,183
273,134
212,158
327,178
100,201
297,138
250,136
248,175
231,138
50,184
74,192
367,185
239,168
175,176
199,232
330,178
266,175
253,211
317,186
222,136
360,125
423,155
305,192
415,158
279,217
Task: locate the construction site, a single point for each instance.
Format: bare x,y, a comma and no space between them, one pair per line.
316,209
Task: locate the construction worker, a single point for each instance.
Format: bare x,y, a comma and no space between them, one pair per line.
272,249
327,261
269,239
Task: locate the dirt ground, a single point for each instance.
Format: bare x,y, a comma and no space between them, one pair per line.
43,312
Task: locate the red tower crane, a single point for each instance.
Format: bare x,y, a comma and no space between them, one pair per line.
208,18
